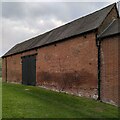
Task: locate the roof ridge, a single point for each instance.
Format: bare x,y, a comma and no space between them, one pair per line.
107,28
76,27
113,29
69,22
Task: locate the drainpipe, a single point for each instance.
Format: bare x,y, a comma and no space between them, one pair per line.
99,71
98,41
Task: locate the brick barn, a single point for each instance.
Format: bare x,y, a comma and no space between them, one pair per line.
80,57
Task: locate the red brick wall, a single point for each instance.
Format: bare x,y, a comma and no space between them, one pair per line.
109,70
14,67
119,71
4,69
69,66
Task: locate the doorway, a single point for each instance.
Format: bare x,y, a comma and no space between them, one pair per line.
29,70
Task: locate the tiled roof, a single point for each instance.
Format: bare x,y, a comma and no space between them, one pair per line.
76,27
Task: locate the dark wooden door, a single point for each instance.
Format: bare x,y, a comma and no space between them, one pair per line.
29,70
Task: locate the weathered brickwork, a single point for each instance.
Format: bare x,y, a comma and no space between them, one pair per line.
4,69
14,67
72,65
69,66
119,71
109,70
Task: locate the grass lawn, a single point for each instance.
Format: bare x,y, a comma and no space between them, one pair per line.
21,101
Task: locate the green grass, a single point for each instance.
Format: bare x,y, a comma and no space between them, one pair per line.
21,101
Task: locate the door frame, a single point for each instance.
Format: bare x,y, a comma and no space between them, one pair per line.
22,65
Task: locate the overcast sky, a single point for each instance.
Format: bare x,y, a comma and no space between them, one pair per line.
23,20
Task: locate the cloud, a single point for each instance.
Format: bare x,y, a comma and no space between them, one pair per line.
110,1
23,20
13,10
